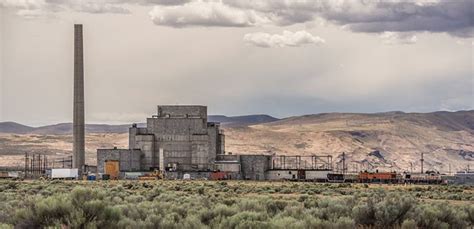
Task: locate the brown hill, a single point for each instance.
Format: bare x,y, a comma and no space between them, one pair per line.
393,140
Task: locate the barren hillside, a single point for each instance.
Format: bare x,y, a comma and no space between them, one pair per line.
393,140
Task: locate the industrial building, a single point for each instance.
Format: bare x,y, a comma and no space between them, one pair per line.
178,140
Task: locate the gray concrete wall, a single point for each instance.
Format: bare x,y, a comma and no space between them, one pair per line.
254,167
228,157
227,167
213,133
129,159
188,142
132,133
221,143
177,126
191,111
148,157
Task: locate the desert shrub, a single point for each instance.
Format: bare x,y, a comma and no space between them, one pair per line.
246,219
470,214
201,190
191,222
228,204
440,215
393,209
344,223
155,192
51,211
275,206
6,226
302,198
224,210
409,224
287,222
294,211
330,209
170,220
251,205
364,214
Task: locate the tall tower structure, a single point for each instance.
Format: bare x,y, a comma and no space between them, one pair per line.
78,159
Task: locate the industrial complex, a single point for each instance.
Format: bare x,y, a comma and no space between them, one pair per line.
178,142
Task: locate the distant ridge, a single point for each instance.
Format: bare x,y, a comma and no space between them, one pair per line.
452,121
241,120
15,128
387,141
66,128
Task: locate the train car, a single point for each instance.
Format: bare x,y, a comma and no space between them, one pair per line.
423,178
336,177
4,175
9,175
464,178
378,177
351,178
317,175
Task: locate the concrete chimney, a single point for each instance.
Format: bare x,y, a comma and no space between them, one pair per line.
78,159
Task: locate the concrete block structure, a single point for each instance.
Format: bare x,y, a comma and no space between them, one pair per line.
177,138
129,160
255,167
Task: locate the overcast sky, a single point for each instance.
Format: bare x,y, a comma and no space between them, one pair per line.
281,58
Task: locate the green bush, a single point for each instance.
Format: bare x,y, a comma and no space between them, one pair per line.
229,204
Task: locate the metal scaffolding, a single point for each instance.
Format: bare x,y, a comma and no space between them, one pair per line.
302,162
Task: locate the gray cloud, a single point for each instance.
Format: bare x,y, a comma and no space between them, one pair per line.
287,39
158,65
454,17
201,13
39,8
162,2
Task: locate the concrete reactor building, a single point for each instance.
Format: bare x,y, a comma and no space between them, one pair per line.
180,142
177,138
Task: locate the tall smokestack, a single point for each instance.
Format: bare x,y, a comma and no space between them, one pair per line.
78,159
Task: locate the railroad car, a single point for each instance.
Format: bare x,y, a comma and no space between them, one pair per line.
335,177
423,178
351,178
378,177
9,175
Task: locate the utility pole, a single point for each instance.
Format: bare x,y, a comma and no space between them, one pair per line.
26,164
343,163
422,160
